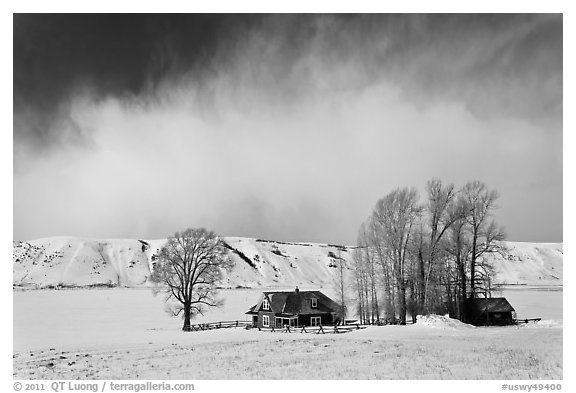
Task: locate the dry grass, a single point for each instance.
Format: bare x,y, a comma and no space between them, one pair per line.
402,353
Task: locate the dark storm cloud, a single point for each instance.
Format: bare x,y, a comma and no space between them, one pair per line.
294,119
59,56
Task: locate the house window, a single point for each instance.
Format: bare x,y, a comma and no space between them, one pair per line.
265,320
265,304
314,303
315,321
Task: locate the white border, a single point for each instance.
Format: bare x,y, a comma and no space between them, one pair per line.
300,6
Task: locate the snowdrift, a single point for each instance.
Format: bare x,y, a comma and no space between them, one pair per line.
71,262
441,322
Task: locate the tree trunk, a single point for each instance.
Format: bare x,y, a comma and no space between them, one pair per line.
389,304
362,300
187,317
394,297
368,305
473,265
342,289
376,308
462,274
415,307
402,304
421,284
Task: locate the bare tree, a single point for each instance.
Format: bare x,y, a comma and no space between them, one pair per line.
365,241
365,280
394,215
437,208
484,232
430,257
457,245
340,285
359,281
190,266
382,257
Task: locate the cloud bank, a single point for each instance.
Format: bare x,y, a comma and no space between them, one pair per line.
293,127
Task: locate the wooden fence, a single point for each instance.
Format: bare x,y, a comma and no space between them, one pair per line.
526,320
220,325
336,329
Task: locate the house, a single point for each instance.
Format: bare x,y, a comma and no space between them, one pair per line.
294,308
490,311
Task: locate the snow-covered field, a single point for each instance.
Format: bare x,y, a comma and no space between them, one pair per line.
535,302
125,334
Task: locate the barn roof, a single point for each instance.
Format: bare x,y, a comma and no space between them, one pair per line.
494,304
292,302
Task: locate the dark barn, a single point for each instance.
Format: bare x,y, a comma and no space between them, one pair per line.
294,308
489,311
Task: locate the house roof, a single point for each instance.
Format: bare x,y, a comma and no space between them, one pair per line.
491,305
292,302
253,310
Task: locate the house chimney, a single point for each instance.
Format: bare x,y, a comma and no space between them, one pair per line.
297,290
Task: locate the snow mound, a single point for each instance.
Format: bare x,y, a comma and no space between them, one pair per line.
440,322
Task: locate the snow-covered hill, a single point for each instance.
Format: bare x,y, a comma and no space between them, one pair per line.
529,263
69,261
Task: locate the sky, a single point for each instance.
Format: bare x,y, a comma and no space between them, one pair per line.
285,127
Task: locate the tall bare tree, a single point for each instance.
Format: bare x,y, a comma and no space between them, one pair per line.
457,247
382,258
394,216
190,266
366,280
340,285
370,266
360,282
437,209
431,257
485,234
